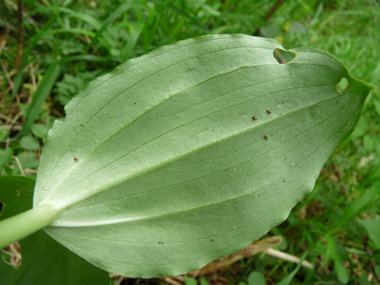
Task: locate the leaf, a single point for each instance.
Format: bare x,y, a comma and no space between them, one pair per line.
3,134
28,51
373,229
355,207
204,281
190,281
377,270
39,130
5,157
288,279
40,95
361,127
256,278
44,261
376,102
16,194
134,35
27,159
194,4
341,272
70,85
119,11
159,168
29,143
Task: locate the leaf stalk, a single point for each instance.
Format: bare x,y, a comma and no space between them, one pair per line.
26,223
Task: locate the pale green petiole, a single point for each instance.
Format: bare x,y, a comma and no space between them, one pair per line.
26,223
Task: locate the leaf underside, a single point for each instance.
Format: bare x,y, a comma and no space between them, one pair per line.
159,167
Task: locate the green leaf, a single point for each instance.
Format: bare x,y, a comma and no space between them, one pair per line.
26,54
341,272
135,33
159,167
377,270
40,95
288,279
363,279
330,250
373,229
194,4
27,159
297,27
39,130
16,194
369,142
256,278
44,261
29,143
190,281
3,134
211,10
361,127
376,102
204,281
119,11
5,157
70,85
80,15
355,207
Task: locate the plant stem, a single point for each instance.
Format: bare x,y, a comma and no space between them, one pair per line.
26,223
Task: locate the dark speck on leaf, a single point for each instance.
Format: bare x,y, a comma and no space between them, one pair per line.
337,101
134,103
255,117
266,137
211,240
269,111
76,159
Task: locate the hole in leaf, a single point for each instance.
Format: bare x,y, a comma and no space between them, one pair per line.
342,85
283,56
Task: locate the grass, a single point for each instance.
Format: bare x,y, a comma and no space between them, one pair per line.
62,45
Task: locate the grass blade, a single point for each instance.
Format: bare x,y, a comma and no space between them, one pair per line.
108,21
356,206
132,40
40,96
28,51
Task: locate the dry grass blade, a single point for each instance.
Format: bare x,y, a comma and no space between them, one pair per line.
288,257
253,249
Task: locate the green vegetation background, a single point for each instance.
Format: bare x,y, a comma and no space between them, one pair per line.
54,48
